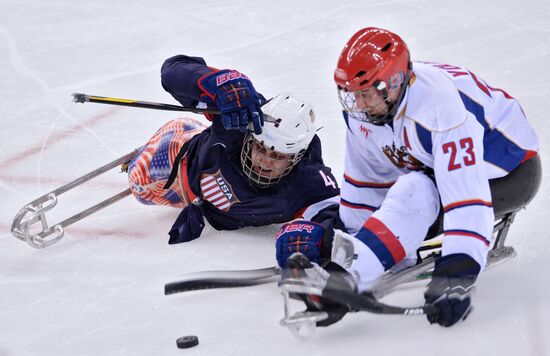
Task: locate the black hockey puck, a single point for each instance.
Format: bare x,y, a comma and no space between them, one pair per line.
188,341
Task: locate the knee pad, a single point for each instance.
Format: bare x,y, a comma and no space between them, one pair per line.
413,194
410,208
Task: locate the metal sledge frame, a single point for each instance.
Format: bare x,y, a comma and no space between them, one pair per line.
502,227
302,324
34,213
498,254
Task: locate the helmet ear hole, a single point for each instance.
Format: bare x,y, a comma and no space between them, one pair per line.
386,47
312,115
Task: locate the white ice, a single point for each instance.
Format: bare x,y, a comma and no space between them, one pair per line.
99,291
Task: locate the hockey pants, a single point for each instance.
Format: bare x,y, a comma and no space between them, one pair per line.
150,168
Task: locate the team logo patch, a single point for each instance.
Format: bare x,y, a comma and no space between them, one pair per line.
401,158
365,130
229,76
217,191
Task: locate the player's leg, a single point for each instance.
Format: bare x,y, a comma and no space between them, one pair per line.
393,233
150,168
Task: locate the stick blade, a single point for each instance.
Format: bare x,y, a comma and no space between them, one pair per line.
214,283
223,279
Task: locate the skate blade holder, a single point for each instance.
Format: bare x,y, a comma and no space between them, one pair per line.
302,324
30,223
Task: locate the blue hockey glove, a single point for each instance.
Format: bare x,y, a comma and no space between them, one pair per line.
188,225
449,290
233,93
301,236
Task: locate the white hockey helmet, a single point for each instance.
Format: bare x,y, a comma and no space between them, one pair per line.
289,127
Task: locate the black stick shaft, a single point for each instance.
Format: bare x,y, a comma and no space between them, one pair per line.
363,302
85,98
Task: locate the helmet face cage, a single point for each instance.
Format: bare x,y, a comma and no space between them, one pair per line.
260,176
349,100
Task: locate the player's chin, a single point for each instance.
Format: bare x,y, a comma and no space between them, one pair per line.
374,113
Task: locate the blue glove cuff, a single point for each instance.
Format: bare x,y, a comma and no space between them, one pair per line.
456,265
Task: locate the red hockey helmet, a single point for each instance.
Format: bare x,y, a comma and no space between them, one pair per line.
373,57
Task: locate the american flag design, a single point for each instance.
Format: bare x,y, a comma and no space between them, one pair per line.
150,168
217,191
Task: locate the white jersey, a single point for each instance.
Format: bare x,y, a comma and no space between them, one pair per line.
453,123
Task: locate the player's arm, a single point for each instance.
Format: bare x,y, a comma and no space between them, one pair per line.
365,184
190,81
180,75
363,190
313,229
468,219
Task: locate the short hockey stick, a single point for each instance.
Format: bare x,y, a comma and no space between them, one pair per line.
356,302
366,302
85,98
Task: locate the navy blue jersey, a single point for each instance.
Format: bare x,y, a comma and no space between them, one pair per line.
214,165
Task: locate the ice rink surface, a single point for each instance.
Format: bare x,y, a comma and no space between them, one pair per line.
99,291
